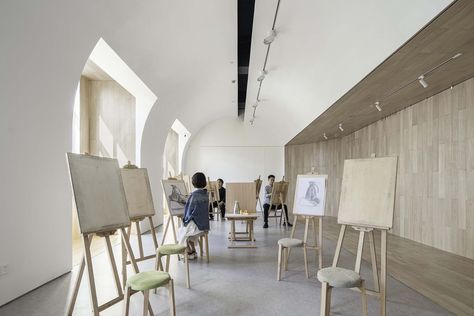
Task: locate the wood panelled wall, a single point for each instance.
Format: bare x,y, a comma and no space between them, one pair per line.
434,140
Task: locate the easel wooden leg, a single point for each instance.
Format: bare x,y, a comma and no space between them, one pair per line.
139,237
305,261
320,246
174,230
325,299
153,232
364,298
113,265
126,307
280,253
373,257
124,265
339,245
90,273
360,248
166,230
383,273
77,283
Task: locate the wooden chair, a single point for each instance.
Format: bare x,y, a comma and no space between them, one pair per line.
213,193
167,251
146,281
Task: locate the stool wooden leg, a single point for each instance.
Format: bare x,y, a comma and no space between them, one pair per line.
200,245
171,298
364,298
167,263
305,261
280,253
325,299
146,299
126,306
186,262
207,247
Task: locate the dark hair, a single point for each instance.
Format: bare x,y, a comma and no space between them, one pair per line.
271,176
222,181
199,180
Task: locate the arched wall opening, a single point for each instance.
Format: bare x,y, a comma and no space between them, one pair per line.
110,109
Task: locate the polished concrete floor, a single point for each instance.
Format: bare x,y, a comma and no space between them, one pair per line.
235,282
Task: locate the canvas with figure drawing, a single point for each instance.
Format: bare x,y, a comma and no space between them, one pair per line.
310,195
176,195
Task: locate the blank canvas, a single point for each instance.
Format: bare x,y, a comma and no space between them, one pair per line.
98,193
138,192
310,195
368,192
244,193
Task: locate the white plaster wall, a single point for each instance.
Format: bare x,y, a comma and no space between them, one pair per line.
44,46
230,150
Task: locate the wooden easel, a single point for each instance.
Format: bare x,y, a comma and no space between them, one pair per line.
137,220
380,282
87,261
170,220
213,193
280,199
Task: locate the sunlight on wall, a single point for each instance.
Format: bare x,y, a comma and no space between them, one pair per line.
111,63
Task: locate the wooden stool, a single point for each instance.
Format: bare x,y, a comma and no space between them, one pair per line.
204,238
341,278
283,254
168,250
146,281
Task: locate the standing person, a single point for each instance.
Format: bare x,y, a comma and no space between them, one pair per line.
221,203
267,202
196,218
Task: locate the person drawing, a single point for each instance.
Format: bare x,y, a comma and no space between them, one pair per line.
196,218
267,202
221,203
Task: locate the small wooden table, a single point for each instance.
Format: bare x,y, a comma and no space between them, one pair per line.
248,235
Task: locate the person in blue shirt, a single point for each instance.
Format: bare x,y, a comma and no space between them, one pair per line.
196,219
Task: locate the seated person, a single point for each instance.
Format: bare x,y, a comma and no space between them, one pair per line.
267,202
195,218
221,203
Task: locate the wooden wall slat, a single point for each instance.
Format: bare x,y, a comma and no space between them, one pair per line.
434,140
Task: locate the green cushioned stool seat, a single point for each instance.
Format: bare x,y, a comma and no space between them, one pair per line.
171,249
339,277
290,242
148,280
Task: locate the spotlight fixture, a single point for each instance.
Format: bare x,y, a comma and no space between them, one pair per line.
377,106
262,75
251,121
255,105
421,80
270,38
324,135
340,127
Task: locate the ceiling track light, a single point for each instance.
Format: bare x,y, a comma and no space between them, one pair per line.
377,106
262,75
421,80
252,121
325,137
255,105
270,38
340,127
